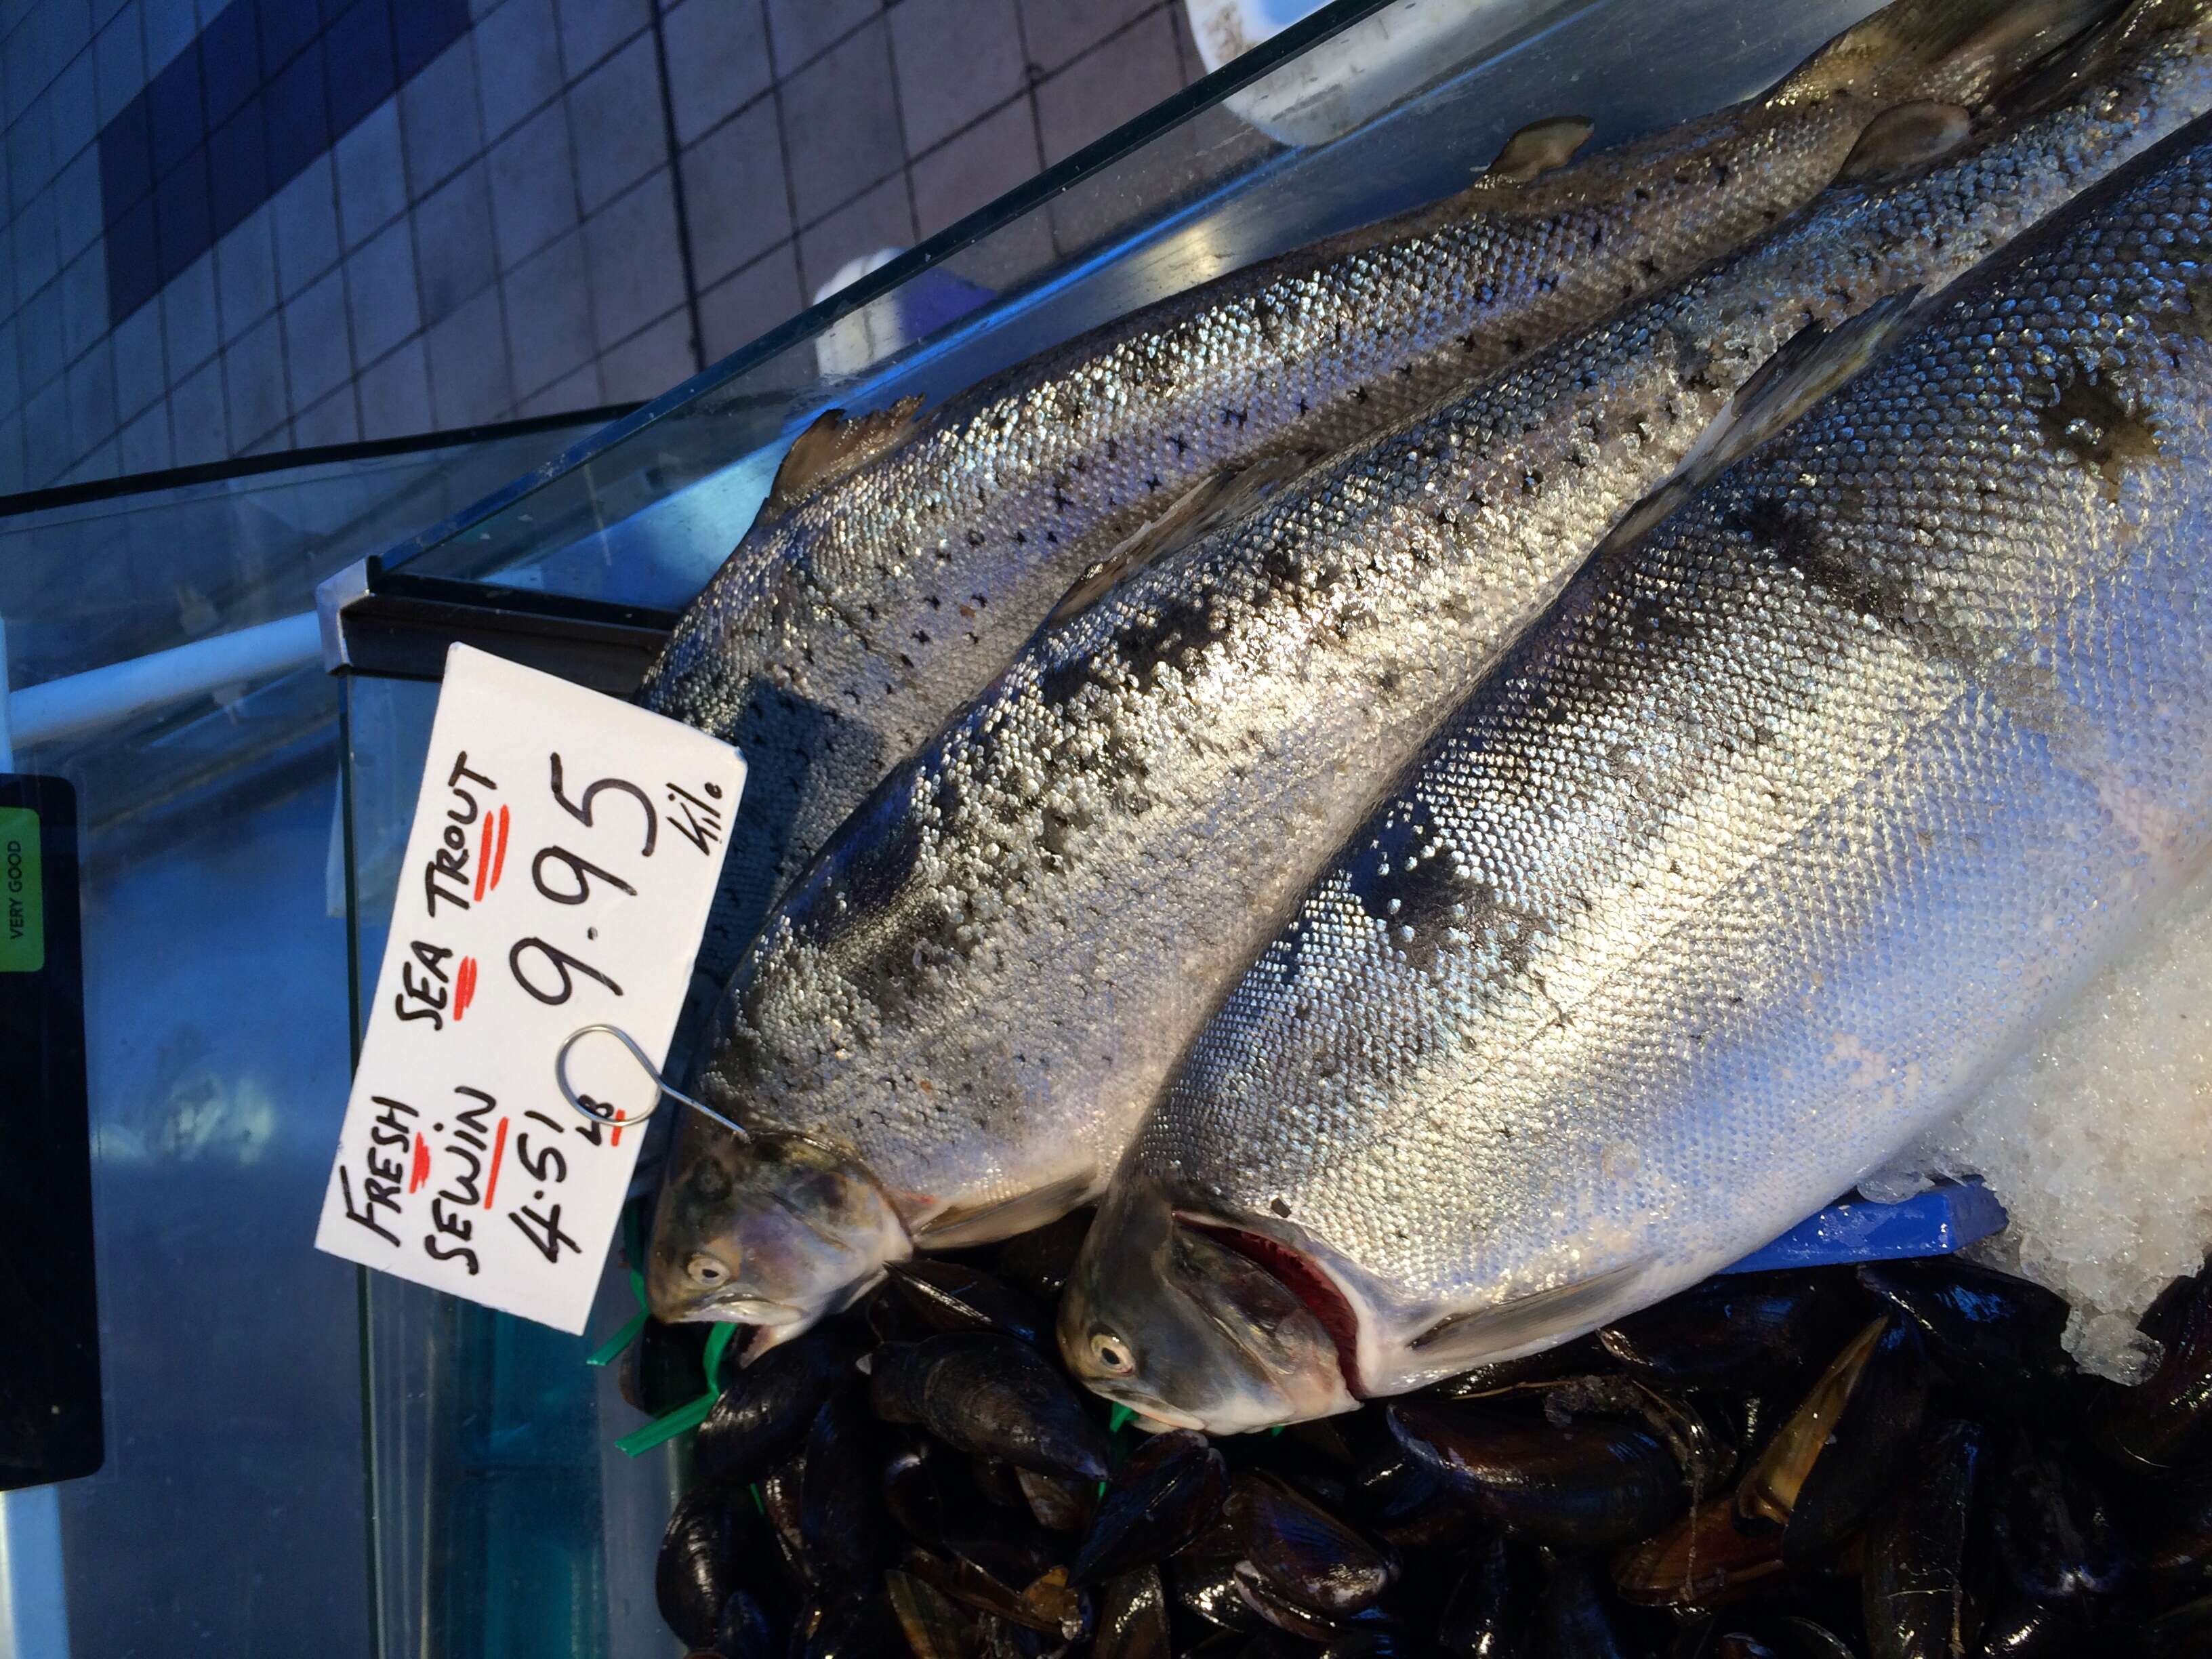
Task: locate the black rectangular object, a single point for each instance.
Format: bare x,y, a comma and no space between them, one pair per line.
50,1415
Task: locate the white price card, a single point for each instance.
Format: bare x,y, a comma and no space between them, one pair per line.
565,849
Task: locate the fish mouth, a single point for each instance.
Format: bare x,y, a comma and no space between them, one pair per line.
1304,1278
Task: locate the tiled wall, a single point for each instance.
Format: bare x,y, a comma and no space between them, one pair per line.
236,228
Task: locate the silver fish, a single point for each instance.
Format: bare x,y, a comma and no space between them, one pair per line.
1766,844
902,560
981,985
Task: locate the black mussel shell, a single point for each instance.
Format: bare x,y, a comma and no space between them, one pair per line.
764,1416
1040,1262
845,1625
2171,1527
1914,1582
1577,1617
665,1367
994,1396
935,1627
1059,1504
779,1494
1132,1618
1201,1580
1767,1494
1593,1481
2165,1422
1494,1603
1735,1328
1581,1358
745,1632
1761,1635
840,1500
1866,1447
2018,1627
949,1296
1000,1481
1304,1552
1707,1558
710,1543
2185,1632
1168,1492
1047,1604
2056,1536
1994,1336
1279,1610
931,1497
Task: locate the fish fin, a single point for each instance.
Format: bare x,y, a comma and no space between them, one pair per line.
833,444
2090,55
1212,502
1904,138
1527,1323
979,1224
1539,147
2036,36
1814,362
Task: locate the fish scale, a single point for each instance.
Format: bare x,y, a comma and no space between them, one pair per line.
977,991
1817,799
844,631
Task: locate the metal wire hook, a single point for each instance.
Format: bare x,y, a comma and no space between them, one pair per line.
600,1112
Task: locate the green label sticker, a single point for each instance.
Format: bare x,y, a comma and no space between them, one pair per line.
22,898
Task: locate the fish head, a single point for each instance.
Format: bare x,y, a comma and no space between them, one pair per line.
1162,1315
776,1230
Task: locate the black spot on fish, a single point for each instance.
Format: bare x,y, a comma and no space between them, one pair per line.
1794,542
1279,1208
1057,684
2086,419
1176,637
1404,879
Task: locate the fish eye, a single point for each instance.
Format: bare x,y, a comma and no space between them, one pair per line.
705,1272
1111,1354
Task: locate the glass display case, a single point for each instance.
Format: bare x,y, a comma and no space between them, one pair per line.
306,1457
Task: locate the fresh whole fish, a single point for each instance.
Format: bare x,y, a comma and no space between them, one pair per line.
1756,854
900,562
949,1030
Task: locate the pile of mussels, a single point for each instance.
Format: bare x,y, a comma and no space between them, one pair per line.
1890,1462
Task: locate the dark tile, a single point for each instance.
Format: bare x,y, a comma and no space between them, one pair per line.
1057,32
134,260
238,168
739,310
957,59
733,193
590,29
801,28
879,220
980,165
357,63
230,62
126,159
841,130
287,26
453,257
172,103
1112,83
420,29
180,215
299,124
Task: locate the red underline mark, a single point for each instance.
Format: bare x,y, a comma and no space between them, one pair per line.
484,855
499,857
464,986
498,1152
421,1172
615,1140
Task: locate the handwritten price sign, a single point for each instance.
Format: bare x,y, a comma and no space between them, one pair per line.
565,849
